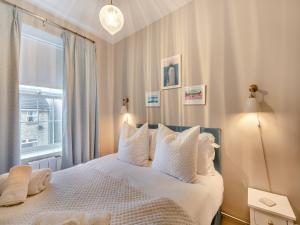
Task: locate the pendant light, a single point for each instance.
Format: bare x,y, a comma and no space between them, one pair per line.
111,18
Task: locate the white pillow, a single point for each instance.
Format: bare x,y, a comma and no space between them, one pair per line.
206,154
134,145
152,139
176,153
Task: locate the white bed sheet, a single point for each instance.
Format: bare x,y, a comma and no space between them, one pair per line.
201,200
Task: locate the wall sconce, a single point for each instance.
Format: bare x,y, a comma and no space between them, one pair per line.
124,108
252,106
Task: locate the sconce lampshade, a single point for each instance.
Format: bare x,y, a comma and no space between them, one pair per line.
251,105
123,110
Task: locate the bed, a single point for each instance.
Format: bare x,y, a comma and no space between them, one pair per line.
134,195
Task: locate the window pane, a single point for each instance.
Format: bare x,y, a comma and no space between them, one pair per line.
41,119
41,71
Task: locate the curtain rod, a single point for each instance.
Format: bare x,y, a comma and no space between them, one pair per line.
45,20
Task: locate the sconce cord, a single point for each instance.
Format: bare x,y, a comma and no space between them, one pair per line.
264,152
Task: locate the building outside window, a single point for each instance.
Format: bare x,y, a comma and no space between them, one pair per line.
31,115
40,119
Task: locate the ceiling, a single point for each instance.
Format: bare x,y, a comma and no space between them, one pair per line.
85,13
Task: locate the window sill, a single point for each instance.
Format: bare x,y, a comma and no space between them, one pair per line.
25,158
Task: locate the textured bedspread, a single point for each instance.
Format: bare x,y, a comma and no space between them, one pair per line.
85,188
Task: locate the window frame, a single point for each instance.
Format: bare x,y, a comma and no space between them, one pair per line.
47,119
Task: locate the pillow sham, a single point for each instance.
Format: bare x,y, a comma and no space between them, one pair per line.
206,154
176,153
134,145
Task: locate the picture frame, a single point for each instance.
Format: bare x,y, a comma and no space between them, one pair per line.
152,99
171,72
194,95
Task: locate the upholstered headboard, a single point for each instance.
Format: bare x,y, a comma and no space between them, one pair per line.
216,132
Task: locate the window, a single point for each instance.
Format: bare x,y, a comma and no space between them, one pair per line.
32,116
41,70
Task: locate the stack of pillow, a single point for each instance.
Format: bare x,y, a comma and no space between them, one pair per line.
182,155
22,182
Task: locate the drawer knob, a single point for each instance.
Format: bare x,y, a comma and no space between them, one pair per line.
270,222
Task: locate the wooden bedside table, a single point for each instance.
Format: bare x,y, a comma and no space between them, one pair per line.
261,214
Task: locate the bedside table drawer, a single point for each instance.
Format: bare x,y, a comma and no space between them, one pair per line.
266,219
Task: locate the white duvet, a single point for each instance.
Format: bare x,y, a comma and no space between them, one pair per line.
200,201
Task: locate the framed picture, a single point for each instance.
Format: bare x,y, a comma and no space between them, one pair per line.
194,95
171,72
152,99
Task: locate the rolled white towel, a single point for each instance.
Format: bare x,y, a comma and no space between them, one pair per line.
3,179
39,181
71,218
16,186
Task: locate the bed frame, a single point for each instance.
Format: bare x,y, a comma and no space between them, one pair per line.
216,132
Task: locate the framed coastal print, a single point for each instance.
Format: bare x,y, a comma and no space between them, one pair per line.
194,95
171,72
152,99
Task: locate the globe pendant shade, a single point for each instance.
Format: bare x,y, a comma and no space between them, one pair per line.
111,18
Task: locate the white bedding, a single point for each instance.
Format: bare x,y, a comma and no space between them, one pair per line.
200,201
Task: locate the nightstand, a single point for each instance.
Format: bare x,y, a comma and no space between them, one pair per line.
260,214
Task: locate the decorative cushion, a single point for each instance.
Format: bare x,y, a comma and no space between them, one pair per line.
134,145
206,154
176,153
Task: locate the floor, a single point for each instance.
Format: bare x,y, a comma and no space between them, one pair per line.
229,221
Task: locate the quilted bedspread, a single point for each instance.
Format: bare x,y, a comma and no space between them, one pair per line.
86,189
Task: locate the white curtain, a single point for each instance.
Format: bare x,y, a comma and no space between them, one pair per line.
9,86
80,108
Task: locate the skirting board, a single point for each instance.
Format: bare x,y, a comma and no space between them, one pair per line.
217,220
233,217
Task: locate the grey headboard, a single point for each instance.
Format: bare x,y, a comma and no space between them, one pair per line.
214,131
